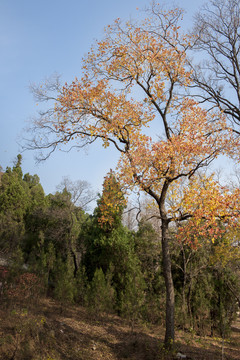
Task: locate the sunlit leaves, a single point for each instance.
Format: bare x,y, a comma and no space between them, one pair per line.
132,79
214,210
111,204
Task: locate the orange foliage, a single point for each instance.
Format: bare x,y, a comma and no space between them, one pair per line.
131,79
111,203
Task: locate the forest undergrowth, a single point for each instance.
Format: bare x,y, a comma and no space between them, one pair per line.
48,331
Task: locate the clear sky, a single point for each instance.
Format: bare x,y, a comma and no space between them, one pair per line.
38,38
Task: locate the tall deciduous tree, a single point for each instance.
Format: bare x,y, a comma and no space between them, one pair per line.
217,37
131,80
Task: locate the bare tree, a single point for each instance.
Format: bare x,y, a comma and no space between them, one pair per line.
217,32
81,192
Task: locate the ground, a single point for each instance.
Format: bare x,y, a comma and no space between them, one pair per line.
47,331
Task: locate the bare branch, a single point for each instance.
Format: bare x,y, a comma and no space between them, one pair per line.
217,32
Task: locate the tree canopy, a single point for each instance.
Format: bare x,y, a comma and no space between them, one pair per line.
135,81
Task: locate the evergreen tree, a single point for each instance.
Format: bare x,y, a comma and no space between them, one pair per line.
33,218
63,279
14,200
110,245
101,294
148,252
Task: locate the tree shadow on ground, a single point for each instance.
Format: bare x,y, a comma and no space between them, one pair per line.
75,333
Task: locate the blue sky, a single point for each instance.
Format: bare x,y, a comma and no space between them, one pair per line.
38,38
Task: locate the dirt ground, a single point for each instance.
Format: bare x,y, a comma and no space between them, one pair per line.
46,331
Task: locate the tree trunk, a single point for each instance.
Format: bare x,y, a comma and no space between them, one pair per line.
189,298
170,300
184,289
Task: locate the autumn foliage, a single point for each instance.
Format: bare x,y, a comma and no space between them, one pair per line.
133,95
111,204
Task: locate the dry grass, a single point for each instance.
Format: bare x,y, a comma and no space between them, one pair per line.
48,332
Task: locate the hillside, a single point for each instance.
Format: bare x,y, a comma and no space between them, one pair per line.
46,331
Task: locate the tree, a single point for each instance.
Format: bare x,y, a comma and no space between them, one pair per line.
101,294
52,221
64,289
13,206
105,104
148,251
109,245
36,206
81,193
111,204
63,225
216,32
